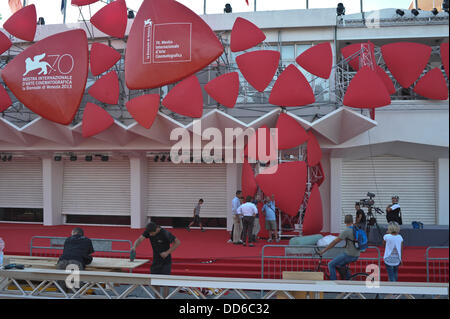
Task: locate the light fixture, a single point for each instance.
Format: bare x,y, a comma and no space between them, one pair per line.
415,12
434,11
41,21
400,12
340,10
228,8
88,158
156,158
9,158
163,158
73,158
130,14
105,158
57,158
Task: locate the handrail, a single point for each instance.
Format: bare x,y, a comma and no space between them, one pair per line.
427,258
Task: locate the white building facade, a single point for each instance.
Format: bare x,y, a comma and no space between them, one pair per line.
402,151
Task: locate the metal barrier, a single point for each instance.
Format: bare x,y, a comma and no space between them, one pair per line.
439,266
305,258
53,246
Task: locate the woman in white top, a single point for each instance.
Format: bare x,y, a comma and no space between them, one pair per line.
393,250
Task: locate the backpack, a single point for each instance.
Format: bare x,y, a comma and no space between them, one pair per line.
360,236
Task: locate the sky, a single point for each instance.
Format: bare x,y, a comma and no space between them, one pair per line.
50,9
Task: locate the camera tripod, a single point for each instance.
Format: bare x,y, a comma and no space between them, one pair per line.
372,223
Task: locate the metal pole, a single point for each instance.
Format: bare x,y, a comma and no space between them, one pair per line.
307,4
204,6
255,5
65,10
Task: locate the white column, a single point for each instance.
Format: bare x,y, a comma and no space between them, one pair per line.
52,179
442,185
138,191
335,194
233,184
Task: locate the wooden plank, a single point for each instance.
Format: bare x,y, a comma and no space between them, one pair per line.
302,275
97,262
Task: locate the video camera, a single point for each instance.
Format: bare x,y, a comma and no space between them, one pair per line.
367,202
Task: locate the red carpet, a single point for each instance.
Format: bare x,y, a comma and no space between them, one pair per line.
205,253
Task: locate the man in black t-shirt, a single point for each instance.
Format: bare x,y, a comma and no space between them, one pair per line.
163,244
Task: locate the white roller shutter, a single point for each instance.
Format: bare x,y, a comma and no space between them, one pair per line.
413,180
21,183
174,189
97,188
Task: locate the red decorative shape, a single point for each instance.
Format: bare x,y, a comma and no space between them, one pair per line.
95,120
258,67
193,45
144,109
291,89
103,58
186,98
245,35
432,85
5,100
290,132
263,144
5,42
406,60
22,24
444,57
351,49
366,90
386,80
313,151
112,19
224,89
287,182
64,54
317,60
249,186
81,3
106,89
313,220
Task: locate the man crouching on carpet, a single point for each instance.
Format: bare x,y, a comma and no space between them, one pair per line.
163,244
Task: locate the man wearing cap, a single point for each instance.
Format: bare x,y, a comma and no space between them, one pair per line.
393,212
163,244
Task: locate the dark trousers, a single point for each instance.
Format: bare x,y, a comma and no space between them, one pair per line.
247,228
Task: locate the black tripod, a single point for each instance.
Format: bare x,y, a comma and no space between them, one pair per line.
373,224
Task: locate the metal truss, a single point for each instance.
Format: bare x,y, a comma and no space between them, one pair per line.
46,283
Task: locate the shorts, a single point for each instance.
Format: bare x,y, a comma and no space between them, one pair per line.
197,219
271,224
161,269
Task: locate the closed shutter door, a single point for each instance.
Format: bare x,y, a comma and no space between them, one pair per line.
97,188
174,189
21,183
412,180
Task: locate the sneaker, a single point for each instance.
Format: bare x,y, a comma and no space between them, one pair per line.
203,229
188,229
251,245
229,241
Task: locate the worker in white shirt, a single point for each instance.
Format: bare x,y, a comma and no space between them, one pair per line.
248,210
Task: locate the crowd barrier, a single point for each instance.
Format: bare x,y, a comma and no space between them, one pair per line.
437,267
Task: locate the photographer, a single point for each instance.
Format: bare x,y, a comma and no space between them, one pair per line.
393,211
360,217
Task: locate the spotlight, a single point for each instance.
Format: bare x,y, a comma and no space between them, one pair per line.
130,14
9,158
88,158
169,159
105,158
73,158
340,10
228,8
400,12
415,12
41,21
434,11
163,158
57,158
4,158
156,158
